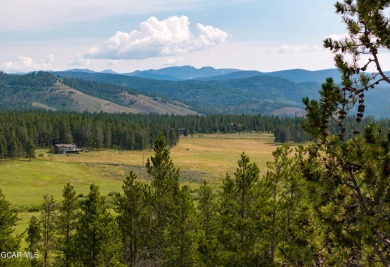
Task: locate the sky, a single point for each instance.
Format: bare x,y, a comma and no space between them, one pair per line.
129,35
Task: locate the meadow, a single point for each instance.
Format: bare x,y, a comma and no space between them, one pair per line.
201,157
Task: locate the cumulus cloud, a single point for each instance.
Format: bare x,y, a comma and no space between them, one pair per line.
157,38
22,64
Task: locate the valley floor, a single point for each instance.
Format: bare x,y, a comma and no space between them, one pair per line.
199,157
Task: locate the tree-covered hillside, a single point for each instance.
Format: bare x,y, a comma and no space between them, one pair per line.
42,90
236,93
261,94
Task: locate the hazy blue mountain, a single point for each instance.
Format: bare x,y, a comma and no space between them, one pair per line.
377,102
300,75
234,75
152,75
181,73
108,71
294,75
80,70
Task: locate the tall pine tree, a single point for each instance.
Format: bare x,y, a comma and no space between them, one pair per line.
34,239
8,218
97,240
165,186
133,208
209,221
66,225
48,217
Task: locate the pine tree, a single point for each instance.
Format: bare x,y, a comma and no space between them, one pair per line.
181,233
165,187
3,147
209,224
162,169
350,174
97,239
14,148
133,210
29,149
8,219
289,230
34,239
66,224
48,217
240,208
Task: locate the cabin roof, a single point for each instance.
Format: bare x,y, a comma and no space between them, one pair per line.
65,145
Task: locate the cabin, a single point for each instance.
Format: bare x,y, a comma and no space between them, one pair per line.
182,131
65,148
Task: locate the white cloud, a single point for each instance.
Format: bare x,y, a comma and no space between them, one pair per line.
157,38
22,64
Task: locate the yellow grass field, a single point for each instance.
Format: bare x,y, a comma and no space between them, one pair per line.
205,157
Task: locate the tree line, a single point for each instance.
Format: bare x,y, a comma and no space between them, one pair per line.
21,132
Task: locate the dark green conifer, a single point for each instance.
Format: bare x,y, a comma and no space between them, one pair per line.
98,239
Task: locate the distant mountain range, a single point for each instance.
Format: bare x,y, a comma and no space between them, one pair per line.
209,73
188,90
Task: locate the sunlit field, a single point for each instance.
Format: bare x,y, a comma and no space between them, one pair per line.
205,157
208,157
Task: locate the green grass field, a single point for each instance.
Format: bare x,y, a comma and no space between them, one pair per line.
206,157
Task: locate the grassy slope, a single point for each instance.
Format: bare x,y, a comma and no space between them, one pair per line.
146,104
83,102
143,104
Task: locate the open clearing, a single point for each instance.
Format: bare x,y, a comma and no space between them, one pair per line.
204,157
207,157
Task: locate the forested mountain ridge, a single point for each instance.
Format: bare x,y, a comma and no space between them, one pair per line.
248,92
253,95
242,92
42,90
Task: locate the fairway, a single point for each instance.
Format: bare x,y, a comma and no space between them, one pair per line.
204,157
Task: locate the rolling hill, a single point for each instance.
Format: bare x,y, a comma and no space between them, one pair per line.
238,91
232,92
253,95
42,90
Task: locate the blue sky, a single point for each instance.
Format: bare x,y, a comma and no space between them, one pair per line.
126,35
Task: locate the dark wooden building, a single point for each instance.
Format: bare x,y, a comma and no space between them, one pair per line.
182,131
65,148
